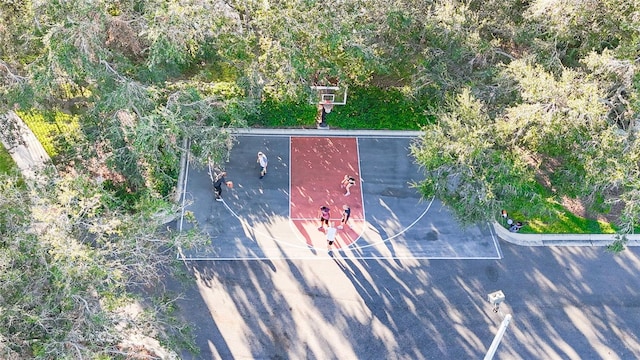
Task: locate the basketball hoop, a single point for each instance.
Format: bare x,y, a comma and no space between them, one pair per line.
325,98
328,106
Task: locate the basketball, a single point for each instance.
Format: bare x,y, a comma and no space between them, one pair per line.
230,184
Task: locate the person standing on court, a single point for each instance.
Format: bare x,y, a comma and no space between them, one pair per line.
325,215
263,161
331,236
346,214
217,184
347,183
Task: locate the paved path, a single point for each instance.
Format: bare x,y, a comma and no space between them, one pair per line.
566,302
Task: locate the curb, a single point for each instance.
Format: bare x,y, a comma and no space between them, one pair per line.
324,132
183,165
561,239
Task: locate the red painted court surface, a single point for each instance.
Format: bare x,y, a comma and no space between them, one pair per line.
318,165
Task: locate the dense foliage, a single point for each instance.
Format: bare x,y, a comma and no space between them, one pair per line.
367,108
69,258
559,124
526,105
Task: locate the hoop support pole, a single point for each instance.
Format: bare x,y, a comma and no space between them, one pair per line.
498,338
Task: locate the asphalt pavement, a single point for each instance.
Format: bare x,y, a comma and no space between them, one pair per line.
254,222
419,295
566,303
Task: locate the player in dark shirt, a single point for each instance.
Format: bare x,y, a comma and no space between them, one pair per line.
217,184
346,214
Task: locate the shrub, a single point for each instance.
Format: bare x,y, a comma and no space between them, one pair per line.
6,162
366,108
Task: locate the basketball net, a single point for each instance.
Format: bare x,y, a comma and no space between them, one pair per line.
328,106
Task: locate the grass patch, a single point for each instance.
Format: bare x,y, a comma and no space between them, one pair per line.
562,221
547,216
7,165
55,130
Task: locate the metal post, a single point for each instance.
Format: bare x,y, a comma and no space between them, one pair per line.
498,337
323,119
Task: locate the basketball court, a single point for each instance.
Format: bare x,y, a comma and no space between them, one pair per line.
277,217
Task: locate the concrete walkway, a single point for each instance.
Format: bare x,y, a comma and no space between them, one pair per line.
561,239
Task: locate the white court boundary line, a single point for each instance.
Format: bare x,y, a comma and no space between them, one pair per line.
332,219
184,195
340,250
354,256
494,237
181,255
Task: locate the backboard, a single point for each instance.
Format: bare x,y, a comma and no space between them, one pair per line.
328,96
